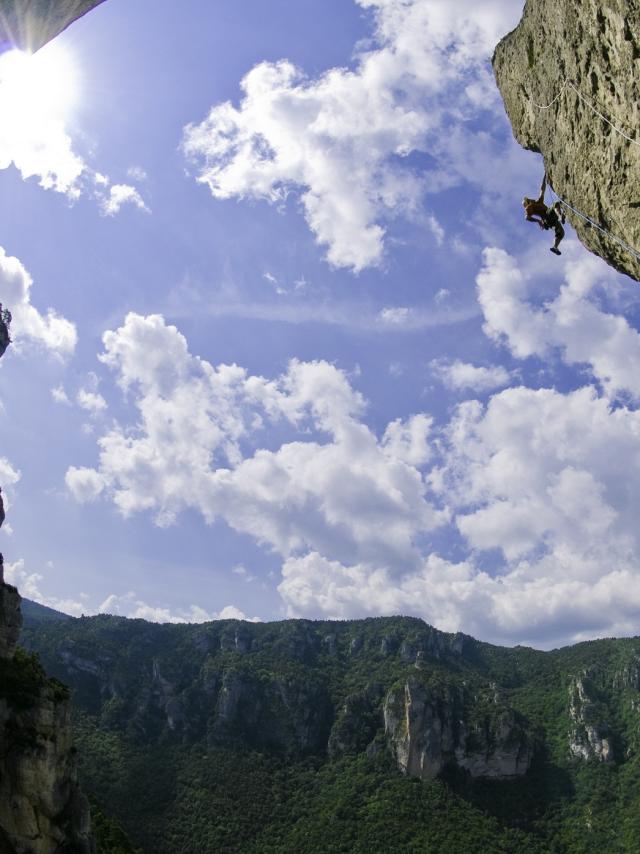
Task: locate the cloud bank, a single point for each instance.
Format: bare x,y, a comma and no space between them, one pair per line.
539,487
343,139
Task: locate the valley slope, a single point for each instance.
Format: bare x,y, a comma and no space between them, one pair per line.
350,736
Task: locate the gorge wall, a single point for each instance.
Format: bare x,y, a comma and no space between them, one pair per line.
41,806
233,715
561,63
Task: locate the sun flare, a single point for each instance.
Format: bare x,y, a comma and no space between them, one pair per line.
37,86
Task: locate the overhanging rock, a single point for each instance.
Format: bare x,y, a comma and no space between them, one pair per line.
30,24
563,62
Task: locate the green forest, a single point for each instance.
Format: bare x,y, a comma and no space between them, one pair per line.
238,737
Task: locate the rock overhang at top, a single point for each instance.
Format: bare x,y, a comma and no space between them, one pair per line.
594,46
30,24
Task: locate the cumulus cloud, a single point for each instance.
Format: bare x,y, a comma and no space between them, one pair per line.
342,138
334,487
85,484
572,323
59,394
50,330
91,401
119,195
29,583
9,476
460,376
539,487
551,481
129,605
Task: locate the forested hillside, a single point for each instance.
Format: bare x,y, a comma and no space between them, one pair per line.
350,736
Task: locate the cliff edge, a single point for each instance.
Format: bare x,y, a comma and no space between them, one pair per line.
30,24
562,65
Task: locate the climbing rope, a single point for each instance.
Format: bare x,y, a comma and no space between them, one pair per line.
588,219
548,106
566,82
599,114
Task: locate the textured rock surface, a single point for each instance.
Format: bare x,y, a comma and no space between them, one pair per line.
10,618
596,45
41,806
428,730
589,736
29,24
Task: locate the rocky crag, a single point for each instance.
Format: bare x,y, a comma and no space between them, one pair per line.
563,64
30,24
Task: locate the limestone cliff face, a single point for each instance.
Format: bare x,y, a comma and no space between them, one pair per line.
30,24
42,809
428,730
10,617
589,737
594,46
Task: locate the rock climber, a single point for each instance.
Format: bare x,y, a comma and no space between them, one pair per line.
535,210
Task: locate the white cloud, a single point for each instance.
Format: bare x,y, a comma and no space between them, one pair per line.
137,173
129,605
60,395
51,331
37,95
119,195
335,487
342,138
9,476
458,375
572,322
28,584
551,481
409,440
397,316
546,484
85,484
91,401
33,105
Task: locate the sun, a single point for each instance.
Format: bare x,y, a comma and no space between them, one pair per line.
37,86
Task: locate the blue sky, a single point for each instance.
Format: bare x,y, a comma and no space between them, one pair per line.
283,342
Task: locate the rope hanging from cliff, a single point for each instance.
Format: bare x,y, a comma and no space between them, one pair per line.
566,82
604,118
548,106
588,219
